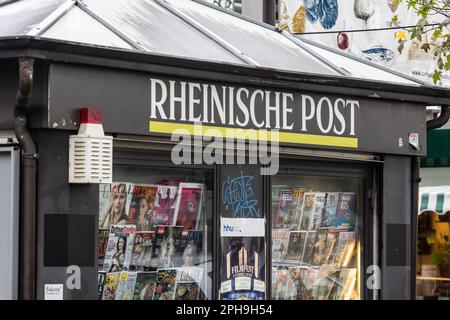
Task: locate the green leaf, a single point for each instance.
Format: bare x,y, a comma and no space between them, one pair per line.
401,45
436,76
425,47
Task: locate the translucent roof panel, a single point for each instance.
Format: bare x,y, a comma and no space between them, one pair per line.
267,47
158,30
77,26
356,68
18,18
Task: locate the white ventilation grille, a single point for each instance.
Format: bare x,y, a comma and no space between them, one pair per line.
90,159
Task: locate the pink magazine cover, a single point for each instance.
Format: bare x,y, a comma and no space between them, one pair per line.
189,205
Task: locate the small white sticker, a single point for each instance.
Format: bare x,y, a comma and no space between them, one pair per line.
258,285
242,227
226,286
400,142
243,283
53,292
414,140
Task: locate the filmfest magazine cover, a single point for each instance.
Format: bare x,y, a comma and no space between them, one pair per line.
189,205
142,251
242,272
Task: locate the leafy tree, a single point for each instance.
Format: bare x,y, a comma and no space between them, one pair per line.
438,40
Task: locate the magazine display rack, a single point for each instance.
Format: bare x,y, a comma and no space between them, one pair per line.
151,242
313,244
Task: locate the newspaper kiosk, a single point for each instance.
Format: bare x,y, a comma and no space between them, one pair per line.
164,156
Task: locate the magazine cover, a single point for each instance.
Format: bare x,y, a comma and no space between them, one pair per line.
142,251
165,284
319,204
295,246
295,211
141,207
165,201
331,243
242,270
103,235
165,246
294,284
187,283
284,206
280,242
125,287
346,211
190,251
308,251
344,252
145,286
307,211
110,287
114,210
347,278
119,248
329,211
279,284
101,279
319,254
189,205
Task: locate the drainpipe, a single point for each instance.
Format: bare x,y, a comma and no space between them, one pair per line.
28,184
415,176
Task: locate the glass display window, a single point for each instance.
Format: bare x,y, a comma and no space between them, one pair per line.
315,237
154,243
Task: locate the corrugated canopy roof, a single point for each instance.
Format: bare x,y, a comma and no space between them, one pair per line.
182,28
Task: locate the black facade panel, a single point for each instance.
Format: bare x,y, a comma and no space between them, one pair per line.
395,229
396,246
69,239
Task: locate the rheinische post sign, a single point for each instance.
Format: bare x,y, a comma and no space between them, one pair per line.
156,105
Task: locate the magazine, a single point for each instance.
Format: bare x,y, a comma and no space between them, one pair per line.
295,246
319,203
280,242
103,235
141,207
307,211
329,211
295,211
119,248
115,209
308,251
345,248
101,279
319,253
165,201
165,246
187,283
346,211
348,280
189,205
294,283
279,282
142,251
190,250
165,284
110,287
145,286
125,287
284,206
